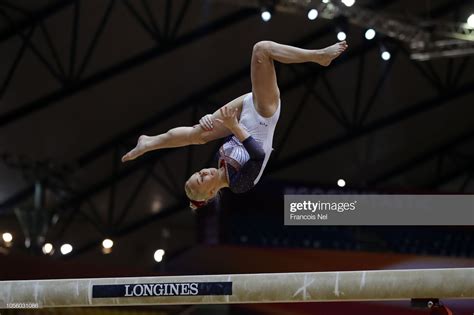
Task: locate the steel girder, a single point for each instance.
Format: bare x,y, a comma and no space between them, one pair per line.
438,153
73,82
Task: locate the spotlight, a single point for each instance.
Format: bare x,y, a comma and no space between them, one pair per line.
369,34
341,183
348,3
107,243
312,14
385,55
341,36
66,249
158,256
107,246
266,15
470,21
7,237
48,249
325,1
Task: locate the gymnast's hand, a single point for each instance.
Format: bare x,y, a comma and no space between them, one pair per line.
207,122
228,118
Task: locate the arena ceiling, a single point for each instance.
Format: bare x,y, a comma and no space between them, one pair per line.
82,79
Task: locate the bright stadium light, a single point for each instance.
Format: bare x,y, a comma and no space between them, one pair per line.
107,243
66,249
312,14
341,183
341,36
325,1
470,20
48,249
158,256
348,3
7,237
369,34
385,55
266,15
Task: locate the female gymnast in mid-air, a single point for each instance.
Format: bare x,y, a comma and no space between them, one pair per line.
248,121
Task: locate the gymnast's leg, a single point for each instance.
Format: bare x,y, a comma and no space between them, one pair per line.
264,82
183,136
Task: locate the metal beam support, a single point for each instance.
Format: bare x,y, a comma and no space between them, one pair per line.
126,65
168,10
52,48
422,158
74,35
334,114
299,109
462,68
35,18
27,40
435,84
335,100
155,35
15,63
151,18
182,12
97,35
378,87
174,191
133,196
451,176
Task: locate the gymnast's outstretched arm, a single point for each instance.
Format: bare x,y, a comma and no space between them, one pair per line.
184,136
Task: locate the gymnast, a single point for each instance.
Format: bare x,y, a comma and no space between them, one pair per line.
248,122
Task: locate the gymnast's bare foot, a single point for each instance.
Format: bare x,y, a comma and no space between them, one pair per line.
140,149
326,55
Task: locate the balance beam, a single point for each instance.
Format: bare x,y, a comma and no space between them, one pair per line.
375,285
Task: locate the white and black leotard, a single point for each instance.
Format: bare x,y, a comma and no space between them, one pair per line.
246,161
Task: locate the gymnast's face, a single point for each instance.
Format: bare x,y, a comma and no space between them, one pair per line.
203,183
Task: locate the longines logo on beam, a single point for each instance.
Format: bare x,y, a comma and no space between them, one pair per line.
162,289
